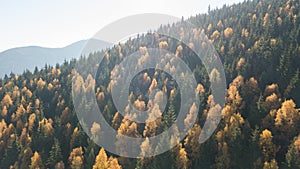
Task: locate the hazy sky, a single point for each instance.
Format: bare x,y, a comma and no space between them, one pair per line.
61,22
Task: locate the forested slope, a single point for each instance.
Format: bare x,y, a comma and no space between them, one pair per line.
258,43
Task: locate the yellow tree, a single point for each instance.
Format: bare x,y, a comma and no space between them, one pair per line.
65,116
127,128
191,143
266,144
228,32
163,45
270,89
234,99
45,127
31,120
287,120
116,121
95,130
36,161
76,158
40,84
146,148
4,111
179,51
240,64
7,101
191,116
271,165
113,163
74,137
182,159
272,102
153,121
20,111
215,35
101,160
287,114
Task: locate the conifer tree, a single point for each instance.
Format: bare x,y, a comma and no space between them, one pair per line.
55,154
36,161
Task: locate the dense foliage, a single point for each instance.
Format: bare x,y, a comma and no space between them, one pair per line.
258,42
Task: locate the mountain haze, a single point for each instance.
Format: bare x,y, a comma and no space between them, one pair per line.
17,60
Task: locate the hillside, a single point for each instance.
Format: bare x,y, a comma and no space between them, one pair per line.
258,43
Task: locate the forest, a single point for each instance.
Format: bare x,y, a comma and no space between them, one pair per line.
258,43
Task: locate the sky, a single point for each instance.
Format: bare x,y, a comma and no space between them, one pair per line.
59,23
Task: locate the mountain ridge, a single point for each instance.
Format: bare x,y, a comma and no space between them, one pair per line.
29,57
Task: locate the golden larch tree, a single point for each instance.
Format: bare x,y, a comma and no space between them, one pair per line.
36,161
266,144
101,160
182,159
76,158
271,165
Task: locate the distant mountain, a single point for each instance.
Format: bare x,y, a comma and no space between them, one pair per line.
17,60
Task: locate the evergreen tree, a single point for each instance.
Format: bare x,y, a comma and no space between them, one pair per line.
55,154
